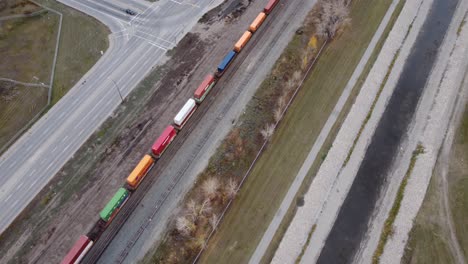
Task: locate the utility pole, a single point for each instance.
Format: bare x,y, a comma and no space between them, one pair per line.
118,90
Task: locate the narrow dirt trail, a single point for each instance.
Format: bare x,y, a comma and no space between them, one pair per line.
443,183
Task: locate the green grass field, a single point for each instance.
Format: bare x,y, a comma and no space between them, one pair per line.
27,102
27,49
265,188
81,42
429,239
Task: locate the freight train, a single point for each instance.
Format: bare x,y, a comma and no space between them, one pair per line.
84,243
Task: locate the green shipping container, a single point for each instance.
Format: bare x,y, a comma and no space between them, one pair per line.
119,198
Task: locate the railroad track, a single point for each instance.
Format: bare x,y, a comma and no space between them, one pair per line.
111,231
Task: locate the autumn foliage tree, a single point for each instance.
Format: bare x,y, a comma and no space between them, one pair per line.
331,18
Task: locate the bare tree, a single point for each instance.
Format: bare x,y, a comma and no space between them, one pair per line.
199,241
333,15
185,226
210,187
205,207
193,210
267,132
231,188
277,114
297,76
214,221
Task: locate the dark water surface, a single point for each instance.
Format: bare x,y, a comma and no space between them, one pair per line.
352,222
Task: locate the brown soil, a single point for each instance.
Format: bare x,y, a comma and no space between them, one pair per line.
17,7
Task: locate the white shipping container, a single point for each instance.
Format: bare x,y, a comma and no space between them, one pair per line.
185,112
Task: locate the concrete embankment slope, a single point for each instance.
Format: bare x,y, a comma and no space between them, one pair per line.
440,122
329,189
352,221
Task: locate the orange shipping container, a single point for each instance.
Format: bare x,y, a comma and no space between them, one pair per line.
137,175
257,22
242,41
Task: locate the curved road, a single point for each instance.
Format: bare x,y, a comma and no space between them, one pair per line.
136,45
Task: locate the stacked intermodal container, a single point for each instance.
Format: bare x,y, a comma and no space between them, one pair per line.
270,5
240,44
226,62
78,251
140,171
257,22
185,113
161,144
204,88
163,141
114,205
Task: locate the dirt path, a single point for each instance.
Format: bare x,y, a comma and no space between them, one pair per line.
23,83
443,169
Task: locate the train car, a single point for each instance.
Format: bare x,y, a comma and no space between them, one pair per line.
204,88
78,251
114,205
163,141
225,63
240,44
270,5
257,22
184,114
139,173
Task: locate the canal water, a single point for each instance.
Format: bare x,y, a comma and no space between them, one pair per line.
352,222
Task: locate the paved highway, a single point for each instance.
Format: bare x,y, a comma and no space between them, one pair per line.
137,43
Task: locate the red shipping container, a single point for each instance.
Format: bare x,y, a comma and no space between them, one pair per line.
269,7
76,250
163,141
204,88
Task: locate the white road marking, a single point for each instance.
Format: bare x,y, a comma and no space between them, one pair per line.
66,147
12,205
152,43
12,164
154,36
48,167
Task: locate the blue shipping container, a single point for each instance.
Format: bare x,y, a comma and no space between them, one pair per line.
226,61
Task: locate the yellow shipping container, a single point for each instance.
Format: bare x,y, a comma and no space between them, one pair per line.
137,175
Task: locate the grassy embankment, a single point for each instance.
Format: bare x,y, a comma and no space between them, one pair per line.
429,240
265,188
271,178
28,45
